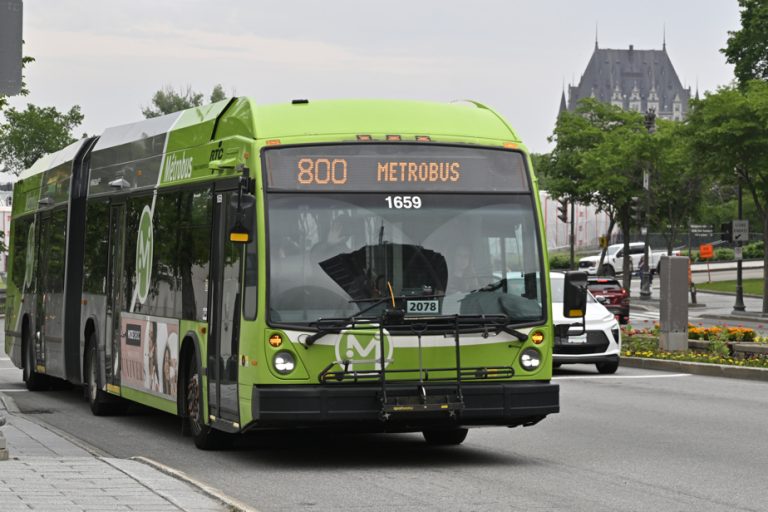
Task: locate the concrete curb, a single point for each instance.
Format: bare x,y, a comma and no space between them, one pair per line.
727,294
706,369
735,318
211,492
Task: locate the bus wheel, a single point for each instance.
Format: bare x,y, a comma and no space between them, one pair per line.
445,437
101,403
205,437
34,381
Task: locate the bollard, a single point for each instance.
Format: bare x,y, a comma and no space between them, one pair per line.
674,304
3,446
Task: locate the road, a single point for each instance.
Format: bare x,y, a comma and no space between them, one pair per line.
639,440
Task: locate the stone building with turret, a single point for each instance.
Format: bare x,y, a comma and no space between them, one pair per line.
632,80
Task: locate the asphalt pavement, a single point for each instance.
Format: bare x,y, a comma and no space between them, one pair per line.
637,440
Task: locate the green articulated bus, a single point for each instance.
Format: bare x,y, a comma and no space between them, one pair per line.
364,265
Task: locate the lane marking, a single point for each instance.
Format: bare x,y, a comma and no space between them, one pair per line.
12,390
576,377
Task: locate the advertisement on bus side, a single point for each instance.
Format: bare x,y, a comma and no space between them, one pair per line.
149,351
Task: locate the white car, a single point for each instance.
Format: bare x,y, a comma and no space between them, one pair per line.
614,259
600,344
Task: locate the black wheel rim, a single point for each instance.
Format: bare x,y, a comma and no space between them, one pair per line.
193,402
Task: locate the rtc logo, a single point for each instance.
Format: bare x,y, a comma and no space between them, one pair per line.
144,248
363,349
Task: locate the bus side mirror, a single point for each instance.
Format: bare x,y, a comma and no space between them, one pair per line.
242,210
575,295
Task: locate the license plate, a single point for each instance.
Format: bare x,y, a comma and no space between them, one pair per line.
422,307
576,340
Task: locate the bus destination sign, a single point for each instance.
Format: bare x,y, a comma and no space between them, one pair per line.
395,167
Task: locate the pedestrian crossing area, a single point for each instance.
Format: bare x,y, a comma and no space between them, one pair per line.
643,317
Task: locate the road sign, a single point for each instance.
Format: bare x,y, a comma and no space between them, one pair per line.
738,253
706,252
741,230
702,229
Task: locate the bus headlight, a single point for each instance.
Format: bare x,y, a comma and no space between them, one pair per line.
530,359
284,362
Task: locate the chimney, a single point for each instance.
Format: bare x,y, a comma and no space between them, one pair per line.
631,47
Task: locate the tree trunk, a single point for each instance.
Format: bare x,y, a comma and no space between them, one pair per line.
611,225
765,262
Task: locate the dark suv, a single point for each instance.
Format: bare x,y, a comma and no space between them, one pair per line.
608,291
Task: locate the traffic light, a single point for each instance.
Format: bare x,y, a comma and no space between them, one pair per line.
726,232
635,210
562,210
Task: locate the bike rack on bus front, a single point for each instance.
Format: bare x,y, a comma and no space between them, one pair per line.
421,401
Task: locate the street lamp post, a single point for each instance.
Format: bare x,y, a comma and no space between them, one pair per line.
738,307
645,273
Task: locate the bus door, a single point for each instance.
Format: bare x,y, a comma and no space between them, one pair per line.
41,299
115,294
224,307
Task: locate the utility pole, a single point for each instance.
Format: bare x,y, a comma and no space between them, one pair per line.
645,272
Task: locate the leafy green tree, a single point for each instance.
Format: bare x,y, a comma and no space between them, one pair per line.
599,156
747,49
28,134
167,100
672,172
218,93
729,141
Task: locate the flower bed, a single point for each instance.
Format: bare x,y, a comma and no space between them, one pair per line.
719,345
723,333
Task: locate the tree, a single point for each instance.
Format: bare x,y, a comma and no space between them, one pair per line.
167,100
671,173
729,140
747,49
599,157
29,134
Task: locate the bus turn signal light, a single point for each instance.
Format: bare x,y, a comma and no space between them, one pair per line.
393,137
364,138
275,340
537,337
423,138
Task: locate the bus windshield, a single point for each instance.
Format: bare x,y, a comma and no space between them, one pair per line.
333,255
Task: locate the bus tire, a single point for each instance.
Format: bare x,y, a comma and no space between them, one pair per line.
204,436
451,437
101,403
33,380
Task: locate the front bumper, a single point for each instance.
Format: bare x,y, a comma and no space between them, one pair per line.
360,406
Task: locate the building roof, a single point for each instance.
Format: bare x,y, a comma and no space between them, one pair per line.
612,70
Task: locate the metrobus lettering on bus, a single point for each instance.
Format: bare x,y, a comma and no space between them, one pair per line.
375,266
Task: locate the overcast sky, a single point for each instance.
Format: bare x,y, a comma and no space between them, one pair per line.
109,57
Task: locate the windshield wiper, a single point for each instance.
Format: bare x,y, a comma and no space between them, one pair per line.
339,323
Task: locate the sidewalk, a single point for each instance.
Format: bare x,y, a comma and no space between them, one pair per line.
50,473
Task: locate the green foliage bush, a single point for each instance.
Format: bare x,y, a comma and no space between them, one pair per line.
754,250
559,262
